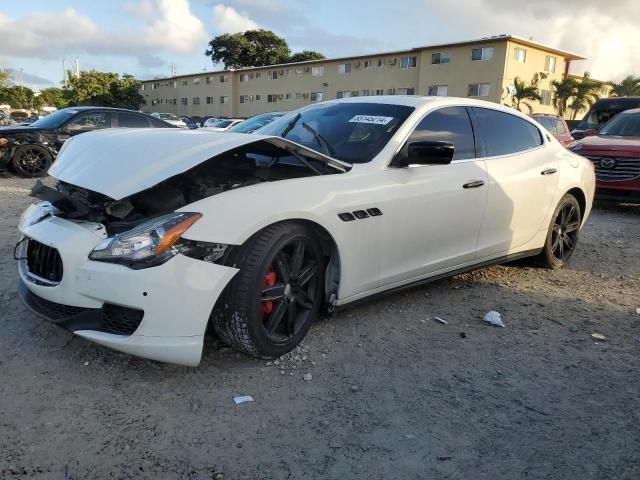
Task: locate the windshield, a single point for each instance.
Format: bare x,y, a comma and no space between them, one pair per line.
222,124
55,119
625,125
168,116
351,132
253,124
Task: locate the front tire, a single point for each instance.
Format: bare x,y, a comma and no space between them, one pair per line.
31,161
269,306
562,236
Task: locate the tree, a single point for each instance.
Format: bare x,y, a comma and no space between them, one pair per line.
254,48
306,55
5,78
585,94
523,92
54,97
563,90
628,87
105,89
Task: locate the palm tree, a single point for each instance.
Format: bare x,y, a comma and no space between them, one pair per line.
523,92
563,90
586,93
628,87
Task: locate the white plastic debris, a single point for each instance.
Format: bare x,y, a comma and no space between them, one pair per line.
441,320
638,310
243,399
494,318
307,377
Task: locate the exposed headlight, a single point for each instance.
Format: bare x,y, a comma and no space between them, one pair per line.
150,243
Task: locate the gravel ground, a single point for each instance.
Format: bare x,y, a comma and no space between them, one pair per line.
393,394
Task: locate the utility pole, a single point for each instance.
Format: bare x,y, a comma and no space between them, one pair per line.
77,74
21,82
64,72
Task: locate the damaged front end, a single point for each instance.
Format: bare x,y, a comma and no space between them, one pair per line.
144,228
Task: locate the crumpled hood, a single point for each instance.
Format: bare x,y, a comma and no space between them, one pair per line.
613,143
121,162
12,130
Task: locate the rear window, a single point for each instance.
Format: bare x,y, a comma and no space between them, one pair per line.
129,120
504,133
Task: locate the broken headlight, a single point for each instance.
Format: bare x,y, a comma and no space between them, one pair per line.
150,243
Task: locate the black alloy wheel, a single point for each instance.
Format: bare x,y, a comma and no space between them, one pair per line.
32,161
268,307
563,233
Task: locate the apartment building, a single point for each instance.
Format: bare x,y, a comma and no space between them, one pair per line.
483,68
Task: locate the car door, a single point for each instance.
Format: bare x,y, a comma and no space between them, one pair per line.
522,180
89,121
433,213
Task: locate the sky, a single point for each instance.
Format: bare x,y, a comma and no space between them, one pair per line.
144,37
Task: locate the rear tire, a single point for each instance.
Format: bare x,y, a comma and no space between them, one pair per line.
269,306
563,233
31,161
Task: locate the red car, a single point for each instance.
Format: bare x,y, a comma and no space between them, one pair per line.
556,127
615,153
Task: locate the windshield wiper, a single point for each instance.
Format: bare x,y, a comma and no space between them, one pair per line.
290,125
319,138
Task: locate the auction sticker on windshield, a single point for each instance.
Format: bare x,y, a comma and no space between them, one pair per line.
375,119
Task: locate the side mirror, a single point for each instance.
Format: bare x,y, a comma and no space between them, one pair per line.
424,153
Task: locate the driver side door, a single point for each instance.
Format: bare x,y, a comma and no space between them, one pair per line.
433,213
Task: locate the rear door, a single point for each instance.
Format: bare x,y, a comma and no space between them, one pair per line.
132,120
433,213
523,177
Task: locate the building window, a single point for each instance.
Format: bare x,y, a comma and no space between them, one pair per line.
438,90
257,97
287,96
196,100
258,74
224,78
272,98
545,97
245,99
381,62
440,58
408,62
550,64
184,101
183,83
209,100
367,64
520,55
344,94
209,80
142,87
196,81
298,96
317,96
317,71
273,75
479,89
244,77
482,54
224,99
365,93
379,91
344,68
406,91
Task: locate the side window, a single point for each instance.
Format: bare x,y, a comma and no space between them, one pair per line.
449,124
547,123
504,133
129,120
560,127
90,121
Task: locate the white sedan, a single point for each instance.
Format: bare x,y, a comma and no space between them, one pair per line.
150,236
222,125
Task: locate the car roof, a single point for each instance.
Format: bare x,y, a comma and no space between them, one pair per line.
84,108
630,111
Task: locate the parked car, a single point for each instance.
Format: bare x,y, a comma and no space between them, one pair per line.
190,123
252,124
210,122
556,127
149,236
615,153
223,125
5,120
170,118
18,116
601,112
31,149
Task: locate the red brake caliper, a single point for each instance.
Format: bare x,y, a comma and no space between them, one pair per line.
270,280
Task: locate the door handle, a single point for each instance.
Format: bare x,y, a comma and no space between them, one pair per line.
474,184
549,171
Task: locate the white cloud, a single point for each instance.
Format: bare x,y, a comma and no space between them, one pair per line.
143,8
169,26
227,20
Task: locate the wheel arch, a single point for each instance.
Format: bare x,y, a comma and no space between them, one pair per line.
582,200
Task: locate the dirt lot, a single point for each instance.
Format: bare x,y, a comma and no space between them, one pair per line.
394,394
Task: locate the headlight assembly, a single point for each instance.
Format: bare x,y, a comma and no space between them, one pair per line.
150,243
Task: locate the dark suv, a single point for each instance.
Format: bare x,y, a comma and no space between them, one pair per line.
30,150
601,112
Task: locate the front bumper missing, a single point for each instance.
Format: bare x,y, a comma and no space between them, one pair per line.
177,297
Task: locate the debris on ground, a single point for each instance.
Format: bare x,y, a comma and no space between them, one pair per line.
243,399
638,310
494,318
573,328
444,457
598,336
355,388
441,320
307,377
463,335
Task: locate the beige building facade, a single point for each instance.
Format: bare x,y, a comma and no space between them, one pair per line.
483,69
